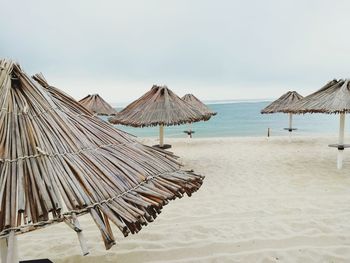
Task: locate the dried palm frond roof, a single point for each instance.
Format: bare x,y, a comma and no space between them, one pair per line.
334,97
195,102
97,105
61,98
58,161
159,106
283,102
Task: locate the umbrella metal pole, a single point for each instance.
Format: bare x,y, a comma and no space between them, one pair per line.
161,135
190,129
341,140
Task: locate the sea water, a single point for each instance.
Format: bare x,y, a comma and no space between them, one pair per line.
245,119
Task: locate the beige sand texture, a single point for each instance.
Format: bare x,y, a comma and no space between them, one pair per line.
261,201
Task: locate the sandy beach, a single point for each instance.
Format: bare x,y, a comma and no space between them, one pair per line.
261,201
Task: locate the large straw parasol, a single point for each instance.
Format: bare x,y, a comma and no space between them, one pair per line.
97,105
282,103
195,102
159,106
57,162
334,97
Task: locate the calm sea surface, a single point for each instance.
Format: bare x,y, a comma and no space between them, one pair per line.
244,119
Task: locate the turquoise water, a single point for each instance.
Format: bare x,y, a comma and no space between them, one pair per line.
244,119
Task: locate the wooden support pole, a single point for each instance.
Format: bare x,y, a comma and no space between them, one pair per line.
81,238
161,135
3,250
341,128
341,141
290,126
12,250
290,121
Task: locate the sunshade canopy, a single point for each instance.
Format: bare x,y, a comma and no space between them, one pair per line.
283,102
97,105
334,97
58,161
159,106
195,102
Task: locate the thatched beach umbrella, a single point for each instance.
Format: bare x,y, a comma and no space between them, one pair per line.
97,105
195,102
57,162
282,103
334,97
159,106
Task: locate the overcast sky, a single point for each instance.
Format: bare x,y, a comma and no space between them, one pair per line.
214,49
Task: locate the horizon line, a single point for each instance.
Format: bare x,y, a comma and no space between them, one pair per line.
209,102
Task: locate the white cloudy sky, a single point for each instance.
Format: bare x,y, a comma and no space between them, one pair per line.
216,49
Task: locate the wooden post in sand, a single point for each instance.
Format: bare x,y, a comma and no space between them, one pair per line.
161,135
290,126
3,250
9,252
82,241
341,140
190,129
290,121
189,132
340,145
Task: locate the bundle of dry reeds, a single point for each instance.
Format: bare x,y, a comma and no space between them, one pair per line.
159,106
57,162
97,105
282,103
195,102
